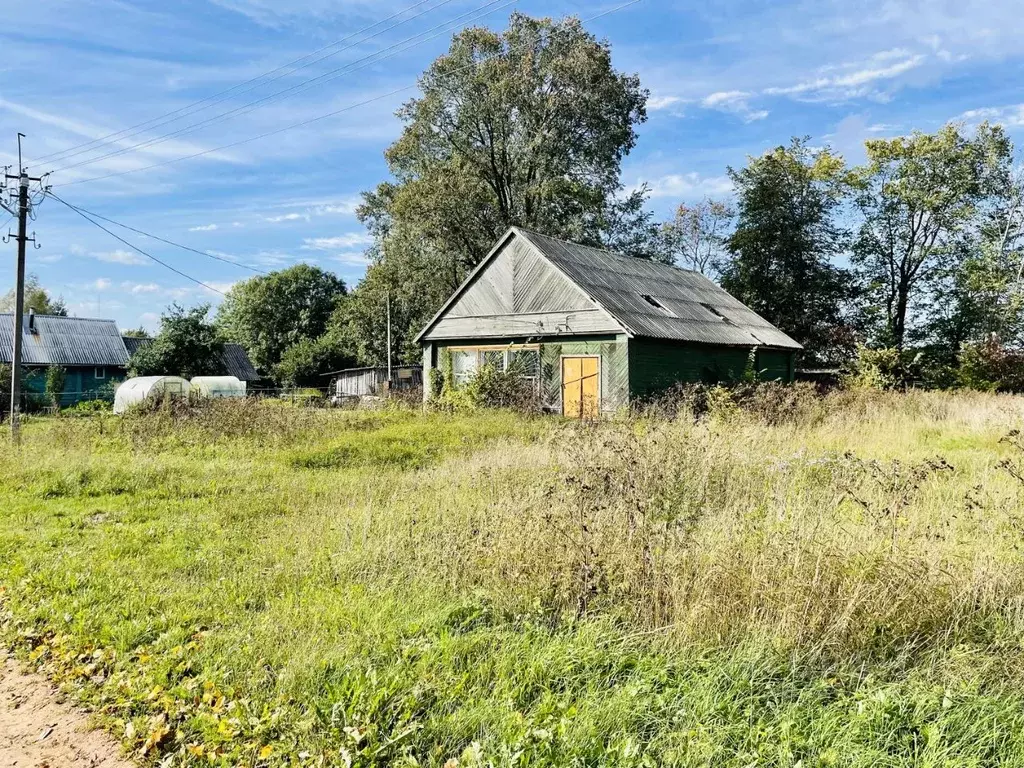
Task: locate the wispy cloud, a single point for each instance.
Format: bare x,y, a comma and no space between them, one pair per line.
734,102
119,257
140,288
689,186
657,103
286,217
853,80
1011,115
204,228
346,242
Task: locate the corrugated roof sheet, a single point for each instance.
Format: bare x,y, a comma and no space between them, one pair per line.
692,308
69,341
236,361
238,364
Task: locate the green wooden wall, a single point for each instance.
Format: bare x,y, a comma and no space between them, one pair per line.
79,383
634,368
656,365
614,369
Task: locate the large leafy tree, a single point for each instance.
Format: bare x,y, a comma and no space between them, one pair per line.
525,127
922,199
188,345
268,314
781,253
36,298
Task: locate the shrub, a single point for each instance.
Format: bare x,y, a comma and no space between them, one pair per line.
990,366
885,368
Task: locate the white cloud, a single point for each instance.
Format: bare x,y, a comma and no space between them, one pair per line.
50,258
119,257
734,102
204,228
286,217
352,259
689,186
656,103
99,284
855,78
351,240
140,288
1011,115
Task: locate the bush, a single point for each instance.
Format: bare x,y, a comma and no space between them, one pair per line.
885,368
88,407
990,366
491,387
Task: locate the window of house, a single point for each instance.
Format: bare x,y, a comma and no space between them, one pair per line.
524,361
101,373
494,358
464,364
657,305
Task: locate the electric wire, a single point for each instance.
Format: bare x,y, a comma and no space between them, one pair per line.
135,247
366,61
301,124
171,242
216,98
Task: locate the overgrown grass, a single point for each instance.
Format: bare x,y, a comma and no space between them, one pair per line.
788,580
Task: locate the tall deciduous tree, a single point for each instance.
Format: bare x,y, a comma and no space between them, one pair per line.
187,345
782,250
269,314
36,298
525,127
921,200
698,235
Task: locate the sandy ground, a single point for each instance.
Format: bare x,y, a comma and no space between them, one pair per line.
39,729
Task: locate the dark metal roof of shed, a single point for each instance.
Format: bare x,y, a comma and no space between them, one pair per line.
69,341
686,305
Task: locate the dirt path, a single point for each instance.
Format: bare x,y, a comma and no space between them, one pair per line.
38,729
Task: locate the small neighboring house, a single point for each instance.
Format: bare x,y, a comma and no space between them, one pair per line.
369,382
594,329
92,352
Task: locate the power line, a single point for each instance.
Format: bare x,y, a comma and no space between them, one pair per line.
303,123
171,242
190,108
366,61
135,247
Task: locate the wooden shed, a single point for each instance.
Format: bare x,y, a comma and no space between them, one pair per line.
594,329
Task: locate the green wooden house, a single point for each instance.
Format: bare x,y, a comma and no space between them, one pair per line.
594,330
90,351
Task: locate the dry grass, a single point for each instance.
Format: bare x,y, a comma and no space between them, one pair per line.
787,578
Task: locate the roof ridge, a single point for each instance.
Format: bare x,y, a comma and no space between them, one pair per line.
616,254
64,317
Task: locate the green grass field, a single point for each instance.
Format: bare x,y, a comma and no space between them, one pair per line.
799,582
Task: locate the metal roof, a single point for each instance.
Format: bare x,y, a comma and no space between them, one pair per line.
238,364
658,300
236,361
647,299
394,367
69,341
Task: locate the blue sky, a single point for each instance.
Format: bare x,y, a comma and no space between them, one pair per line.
727,79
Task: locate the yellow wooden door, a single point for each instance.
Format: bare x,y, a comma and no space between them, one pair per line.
581,387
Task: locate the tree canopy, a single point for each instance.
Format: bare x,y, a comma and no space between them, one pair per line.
786,237
268,314
36,298
921,196
188,345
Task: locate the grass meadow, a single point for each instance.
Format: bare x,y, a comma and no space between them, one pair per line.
794,581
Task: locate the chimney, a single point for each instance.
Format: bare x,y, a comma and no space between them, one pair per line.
31,320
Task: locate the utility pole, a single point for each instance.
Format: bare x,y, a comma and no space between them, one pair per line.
389,339
21,212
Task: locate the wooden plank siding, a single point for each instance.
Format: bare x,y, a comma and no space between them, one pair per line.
655,365
521,294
